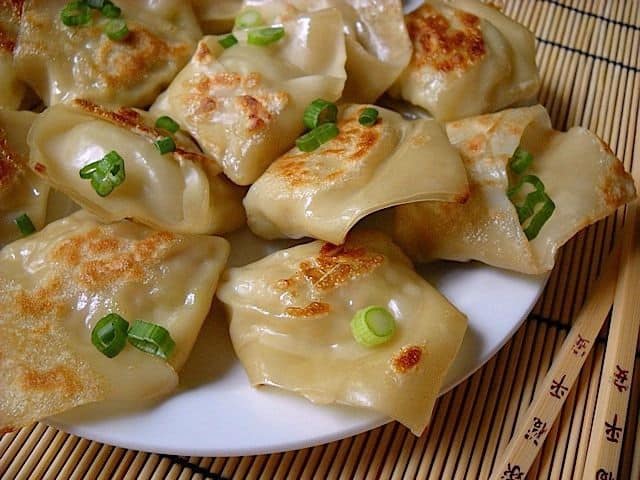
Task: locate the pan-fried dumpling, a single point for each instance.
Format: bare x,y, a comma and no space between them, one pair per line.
216,16
182,191
378,45
579,172
56,284
12,90
21,191
244,104
323,193
290,319
468,59
61,62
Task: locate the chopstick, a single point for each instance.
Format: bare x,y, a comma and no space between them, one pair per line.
529,437
605,444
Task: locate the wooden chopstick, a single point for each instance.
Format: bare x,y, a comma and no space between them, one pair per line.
605,444
529,437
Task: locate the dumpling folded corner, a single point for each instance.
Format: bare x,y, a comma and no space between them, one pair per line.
21,191
181,191
579,172
216,16
468,59
323,193
290,319
56,284
244,104
64,62
12,90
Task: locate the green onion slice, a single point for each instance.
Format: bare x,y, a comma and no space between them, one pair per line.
110,334
537,207
373,326
316,137
520,161
97,4
75,14
25,225
265,36
110,10
168,124
116,29
228,41
249,18
368,117
318,112
151,338
105,174
165,145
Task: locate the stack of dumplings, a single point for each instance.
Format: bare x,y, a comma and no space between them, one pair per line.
168,124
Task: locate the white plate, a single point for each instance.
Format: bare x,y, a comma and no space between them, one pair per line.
216,412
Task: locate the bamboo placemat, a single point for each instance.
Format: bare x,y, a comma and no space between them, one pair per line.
588,54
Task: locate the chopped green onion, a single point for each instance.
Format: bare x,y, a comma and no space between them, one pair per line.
168,124
228,41
105,174
540,218
530,179
529,211
151,338
265,36
116,29
25,225
368,117
316,137
110,10
75,14
110,334
97,4
165,145
318,112
249,18
373,326
520,161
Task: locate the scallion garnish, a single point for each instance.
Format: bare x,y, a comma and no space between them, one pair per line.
248,19
520,161
316,137
537,208
110,10
373,326
318,112
228,41
97,4
265,36
75,14
105,174
165,145
151,338
368,117
116,29
110,334
25,225
168,124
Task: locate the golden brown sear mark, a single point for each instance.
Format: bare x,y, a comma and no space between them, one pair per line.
407,359
10,165
58,378
311,310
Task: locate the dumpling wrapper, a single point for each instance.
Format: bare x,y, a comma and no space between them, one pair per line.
244,105
468,59
324,193
216,16
21,191
290,319
61,63
377,42
580,173
12,90
56,284
183,191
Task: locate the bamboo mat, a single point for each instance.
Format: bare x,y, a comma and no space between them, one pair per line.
588,53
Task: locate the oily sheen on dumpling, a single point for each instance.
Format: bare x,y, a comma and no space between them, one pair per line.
182,191
61,62
216,16
290,319
12,90
244,104
580,174
56,284
468,59
323,193
21,191
378,46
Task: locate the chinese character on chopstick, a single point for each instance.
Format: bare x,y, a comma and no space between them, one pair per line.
537,431
620,379
558,388
580,347
602,474
612,430
512,473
